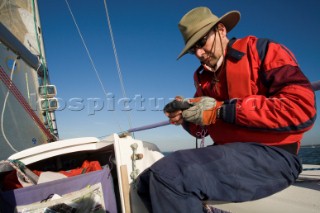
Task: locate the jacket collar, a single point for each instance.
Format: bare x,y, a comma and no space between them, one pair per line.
233,53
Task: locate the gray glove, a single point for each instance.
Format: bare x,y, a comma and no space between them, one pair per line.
203,112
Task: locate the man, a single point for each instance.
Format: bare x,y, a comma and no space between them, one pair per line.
254,102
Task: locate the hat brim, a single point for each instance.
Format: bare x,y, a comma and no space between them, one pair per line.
229,20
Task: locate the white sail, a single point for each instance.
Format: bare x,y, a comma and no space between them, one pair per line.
21,54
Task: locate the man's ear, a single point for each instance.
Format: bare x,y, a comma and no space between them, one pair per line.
221,28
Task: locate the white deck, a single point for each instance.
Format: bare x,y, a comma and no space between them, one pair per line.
302,197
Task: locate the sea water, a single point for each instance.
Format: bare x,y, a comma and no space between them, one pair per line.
310,154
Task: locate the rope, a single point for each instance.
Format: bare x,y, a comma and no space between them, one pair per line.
117,60
150,126
115,50
4,107
89,55
24,172
87,50
315,85
15,91
135,171
202,135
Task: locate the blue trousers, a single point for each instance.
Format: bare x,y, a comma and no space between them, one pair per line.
234,172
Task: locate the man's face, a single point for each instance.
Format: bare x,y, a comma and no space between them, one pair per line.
209,48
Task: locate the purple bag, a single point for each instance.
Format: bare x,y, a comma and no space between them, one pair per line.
91,187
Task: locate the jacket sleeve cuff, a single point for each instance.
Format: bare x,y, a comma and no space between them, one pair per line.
228,111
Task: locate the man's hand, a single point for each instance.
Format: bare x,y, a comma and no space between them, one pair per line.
174,110
204,111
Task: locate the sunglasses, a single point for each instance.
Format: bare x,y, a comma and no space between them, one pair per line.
199,44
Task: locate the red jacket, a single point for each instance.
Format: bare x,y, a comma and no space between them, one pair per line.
267,98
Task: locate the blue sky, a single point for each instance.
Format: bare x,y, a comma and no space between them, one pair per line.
148,42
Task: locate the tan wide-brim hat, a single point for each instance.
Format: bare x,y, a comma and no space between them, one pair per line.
198,21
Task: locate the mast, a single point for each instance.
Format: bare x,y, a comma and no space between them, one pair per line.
50,115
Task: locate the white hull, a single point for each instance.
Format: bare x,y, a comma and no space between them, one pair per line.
113,149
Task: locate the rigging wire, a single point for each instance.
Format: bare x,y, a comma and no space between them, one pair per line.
115,50
117,59
87,50
89,55
4,107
